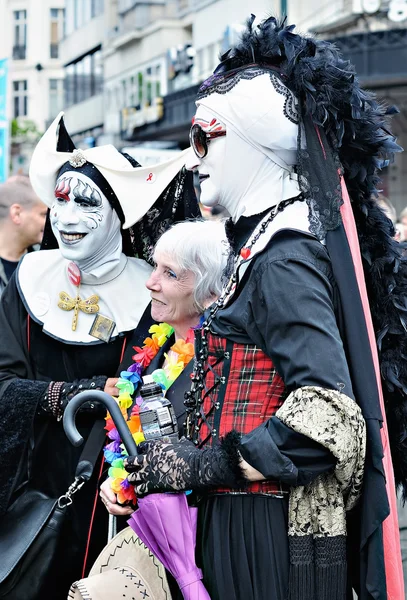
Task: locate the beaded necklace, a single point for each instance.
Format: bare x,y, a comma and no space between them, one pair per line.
193,398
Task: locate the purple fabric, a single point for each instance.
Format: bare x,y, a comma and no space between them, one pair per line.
135,368
167,526
189,578
113,434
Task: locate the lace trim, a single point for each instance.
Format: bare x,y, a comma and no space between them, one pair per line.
222,84
290,102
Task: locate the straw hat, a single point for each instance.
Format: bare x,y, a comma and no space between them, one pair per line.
124,569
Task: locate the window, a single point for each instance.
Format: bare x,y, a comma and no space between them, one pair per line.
20,100
84,78
80,12
124,93
56,97
158,81
20,34
57,18
81,93
86,11
69,17
149,88
97,72
140,88
96,8
87,77
77,14
132,95
70,85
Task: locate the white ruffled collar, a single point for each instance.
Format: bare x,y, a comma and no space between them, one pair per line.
123,297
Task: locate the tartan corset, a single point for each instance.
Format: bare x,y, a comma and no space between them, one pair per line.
242,390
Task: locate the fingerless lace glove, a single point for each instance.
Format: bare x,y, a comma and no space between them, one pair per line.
181,466
59,393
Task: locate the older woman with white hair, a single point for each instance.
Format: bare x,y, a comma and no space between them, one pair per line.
189,262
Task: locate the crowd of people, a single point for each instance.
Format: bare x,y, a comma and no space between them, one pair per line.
279,332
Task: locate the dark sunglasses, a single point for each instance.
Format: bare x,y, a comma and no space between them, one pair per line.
199,139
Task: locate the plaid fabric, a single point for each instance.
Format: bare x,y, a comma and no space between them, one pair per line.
242,391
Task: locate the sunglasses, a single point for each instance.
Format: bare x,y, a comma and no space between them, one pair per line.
199,139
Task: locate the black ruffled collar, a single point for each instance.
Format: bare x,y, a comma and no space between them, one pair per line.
238,233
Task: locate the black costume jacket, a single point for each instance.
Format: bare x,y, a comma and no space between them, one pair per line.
303,309
29,359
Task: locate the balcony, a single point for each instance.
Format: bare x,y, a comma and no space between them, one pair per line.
139,15
82,40
125,6
19,52
179,108
379,56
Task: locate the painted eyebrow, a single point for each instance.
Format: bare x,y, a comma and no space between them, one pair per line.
86,193
63,188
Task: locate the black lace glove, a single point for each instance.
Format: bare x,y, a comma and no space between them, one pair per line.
59,393
177,467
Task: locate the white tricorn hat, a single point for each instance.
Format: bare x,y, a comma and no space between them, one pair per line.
136,189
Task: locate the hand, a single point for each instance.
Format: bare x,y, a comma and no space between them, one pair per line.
250,472
177,467
110,386
109,499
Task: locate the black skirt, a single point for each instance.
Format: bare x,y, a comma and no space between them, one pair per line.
242,547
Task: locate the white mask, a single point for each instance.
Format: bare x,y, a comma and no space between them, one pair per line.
85,225
211,167
252,165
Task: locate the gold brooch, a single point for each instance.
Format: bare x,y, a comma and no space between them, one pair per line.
89,306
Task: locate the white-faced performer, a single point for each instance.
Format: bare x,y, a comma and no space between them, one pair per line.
286,385
68,313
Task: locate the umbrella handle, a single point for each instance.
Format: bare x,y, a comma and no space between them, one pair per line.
97,396
112,530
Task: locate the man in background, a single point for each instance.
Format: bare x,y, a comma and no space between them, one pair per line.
22,219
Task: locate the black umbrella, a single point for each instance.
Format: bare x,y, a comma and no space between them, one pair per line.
76,439
96,396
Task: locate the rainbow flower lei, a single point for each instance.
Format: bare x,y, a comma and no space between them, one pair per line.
128,381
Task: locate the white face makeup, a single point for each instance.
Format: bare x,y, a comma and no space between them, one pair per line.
80,216
211,167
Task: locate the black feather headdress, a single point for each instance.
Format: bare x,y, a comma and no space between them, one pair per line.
356,127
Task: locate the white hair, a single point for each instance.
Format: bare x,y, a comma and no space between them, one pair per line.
200,247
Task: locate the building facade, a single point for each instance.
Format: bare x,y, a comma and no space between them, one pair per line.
30,32
372,34
87,24
132,68
155,59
